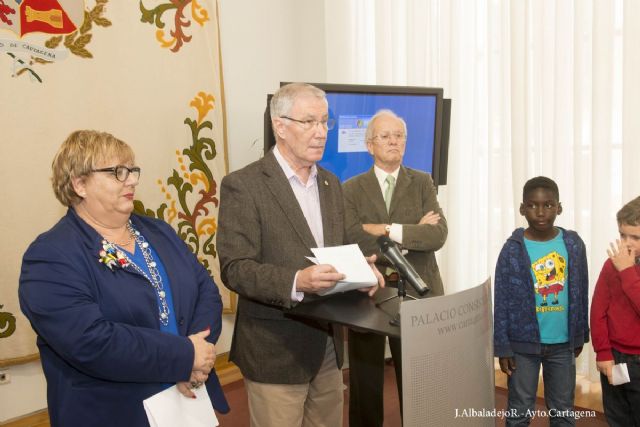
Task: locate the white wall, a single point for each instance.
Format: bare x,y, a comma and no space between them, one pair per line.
25,393
263,43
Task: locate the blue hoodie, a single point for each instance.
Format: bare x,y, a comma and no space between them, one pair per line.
515,325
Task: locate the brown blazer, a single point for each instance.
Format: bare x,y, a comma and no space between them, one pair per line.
263,239
413,196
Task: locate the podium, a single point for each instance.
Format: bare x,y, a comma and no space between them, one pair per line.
354,309
447,350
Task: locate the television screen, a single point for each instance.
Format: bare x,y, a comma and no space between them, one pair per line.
352,106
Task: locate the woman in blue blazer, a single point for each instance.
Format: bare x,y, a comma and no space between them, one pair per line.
121,307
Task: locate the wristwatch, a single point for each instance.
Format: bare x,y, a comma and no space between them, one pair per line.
387,230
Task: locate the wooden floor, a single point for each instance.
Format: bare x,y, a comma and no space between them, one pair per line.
588,395
239,414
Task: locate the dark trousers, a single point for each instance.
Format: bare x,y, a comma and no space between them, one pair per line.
366,377
622,402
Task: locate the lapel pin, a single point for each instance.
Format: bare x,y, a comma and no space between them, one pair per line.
326,183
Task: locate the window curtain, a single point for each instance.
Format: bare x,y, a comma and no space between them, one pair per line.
537,87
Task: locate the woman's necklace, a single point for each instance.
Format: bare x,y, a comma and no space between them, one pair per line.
156,278
125,242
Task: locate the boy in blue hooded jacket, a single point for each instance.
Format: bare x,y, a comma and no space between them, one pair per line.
541,308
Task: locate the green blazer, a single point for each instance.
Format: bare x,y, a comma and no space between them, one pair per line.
263,239
413,196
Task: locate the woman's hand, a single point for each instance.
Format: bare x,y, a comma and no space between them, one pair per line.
197,380
204,352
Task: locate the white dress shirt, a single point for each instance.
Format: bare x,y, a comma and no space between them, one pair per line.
308,198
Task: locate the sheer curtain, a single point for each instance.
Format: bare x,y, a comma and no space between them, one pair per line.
537,87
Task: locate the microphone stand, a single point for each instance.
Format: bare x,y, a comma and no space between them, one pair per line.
402,295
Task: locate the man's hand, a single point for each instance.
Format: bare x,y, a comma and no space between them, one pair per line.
430,218
373,289
507,365
621,256
375,229
204,353
606,367
317,278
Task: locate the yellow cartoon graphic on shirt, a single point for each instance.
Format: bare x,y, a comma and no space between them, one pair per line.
550,276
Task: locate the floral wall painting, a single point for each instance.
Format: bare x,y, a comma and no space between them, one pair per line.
182,12
191,191
146,71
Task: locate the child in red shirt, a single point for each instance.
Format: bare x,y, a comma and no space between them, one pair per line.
615,320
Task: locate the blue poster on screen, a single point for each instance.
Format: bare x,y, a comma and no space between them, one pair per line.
346,152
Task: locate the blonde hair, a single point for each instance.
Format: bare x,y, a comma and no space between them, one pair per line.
79,154
630,213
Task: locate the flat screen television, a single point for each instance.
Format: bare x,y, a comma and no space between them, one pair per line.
352,106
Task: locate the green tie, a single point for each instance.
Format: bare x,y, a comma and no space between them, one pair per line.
388,192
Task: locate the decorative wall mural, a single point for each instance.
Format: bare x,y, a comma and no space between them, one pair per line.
177,8
94,64
7,323
69,20
190,191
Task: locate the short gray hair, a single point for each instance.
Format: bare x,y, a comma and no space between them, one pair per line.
282,101
382,113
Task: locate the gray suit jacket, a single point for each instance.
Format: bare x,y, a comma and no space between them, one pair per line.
413,196
263,238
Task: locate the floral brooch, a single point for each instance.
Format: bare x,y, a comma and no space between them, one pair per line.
112,256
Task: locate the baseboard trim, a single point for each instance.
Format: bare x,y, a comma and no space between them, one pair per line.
227,371
35,419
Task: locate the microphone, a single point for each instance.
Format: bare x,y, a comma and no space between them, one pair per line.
405,269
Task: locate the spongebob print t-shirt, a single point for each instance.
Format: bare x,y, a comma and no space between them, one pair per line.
549,268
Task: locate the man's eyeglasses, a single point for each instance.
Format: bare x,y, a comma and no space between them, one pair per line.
384,138
327,124
121,172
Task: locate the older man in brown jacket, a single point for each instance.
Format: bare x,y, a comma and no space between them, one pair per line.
401,203
271,213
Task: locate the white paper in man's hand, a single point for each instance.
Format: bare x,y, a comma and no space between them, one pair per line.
348,260
170,408
620,374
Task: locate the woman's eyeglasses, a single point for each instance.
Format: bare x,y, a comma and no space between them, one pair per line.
121,172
